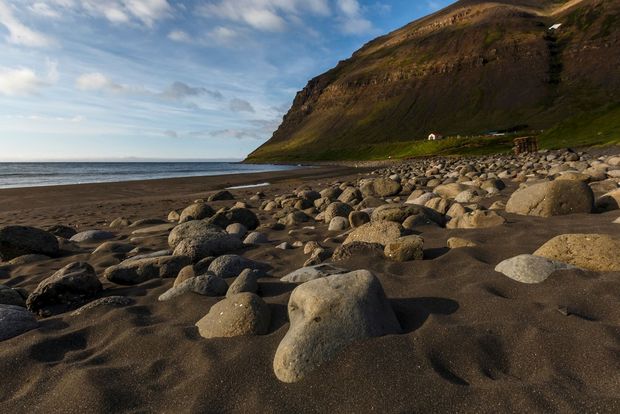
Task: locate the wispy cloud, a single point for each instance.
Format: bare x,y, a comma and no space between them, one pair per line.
19,33
25,81
240,105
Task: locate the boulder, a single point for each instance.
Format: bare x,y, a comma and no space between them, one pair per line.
400,212
90,236
338,224
112,247
134,271
243,314
554,198
457,243
349,194
209,244
609,201
205,285
527,268
477,219
221,195
358,218
598,252
14,321
337,209
381,232
20,240
256,238
247,281
197,211
116,301
237,229
450,190
72,284
28,259
244,216
380,187
10,296
231,265
405,248
308,273
191,230
357,248
328,314
60,230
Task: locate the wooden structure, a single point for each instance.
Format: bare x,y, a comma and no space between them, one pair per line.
525,144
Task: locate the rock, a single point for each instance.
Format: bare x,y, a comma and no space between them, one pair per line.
296,217
151,230
118,223
328,314
186,273
349,194
357,248
247,281
338,224
112,247
450,190
191,230
244,216
256,238
311,246
308,273
358,218
400,212
28,259
554,198
331,193
284,246
471,195
598,252
420,200
380,187
318,256
71,284
478,219
221,196
455,210
243,314
10,296
370,202
457,243
149,255
174,216
197,211
134,271
20,240
14,321
148,222
405,249
116,301
90,236
337,209
381,232
498,205
609,201
205,285
527,268
237,229
231,265
60,230
209,244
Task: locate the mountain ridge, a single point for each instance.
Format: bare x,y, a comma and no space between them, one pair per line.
471,67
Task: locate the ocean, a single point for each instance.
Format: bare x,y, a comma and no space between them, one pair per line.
35,174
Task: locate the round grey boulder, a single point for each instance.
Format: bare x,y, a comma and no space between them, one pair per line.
243,314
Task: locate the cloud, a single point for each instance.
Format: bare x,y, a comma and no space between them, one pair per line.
353,21
20,34
97,82
180,90
44,10
240,105
25,81
235,133
264,15
171,134
179,36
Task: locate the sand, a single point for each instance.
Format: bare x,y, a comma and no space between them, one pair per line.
474,341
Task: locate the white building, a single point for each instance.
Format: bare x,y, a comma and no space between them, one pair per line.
435,136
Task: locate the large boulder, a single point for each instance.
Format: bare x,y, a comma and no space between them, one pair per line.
241,215
134,271
191,230
358,249
554,198
405,248
382,232
450,190
243,314
308,273
328,314
609,201
598,252
527,268
337,209
196,211
211,242
478,219
14,321
10,296
72,284
20,240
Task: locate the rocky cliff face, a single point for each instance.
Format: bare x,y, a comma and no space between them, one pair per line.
472,67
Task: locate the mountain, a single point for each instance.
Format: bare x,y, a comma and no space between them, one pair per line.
472,67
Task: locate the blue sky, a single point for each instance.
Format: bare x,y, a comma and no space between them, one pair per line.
169,79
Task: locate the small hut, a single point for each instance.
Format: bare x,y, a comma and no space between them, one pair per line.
434,136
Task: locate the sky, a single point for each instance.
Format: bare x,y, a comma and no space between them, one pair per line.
169,79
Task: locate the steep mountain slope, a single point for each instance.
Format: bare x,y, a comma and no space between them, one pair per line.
472,67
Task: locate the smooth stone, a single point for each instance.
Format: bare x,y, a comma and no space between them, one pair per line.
17,241
328,314
256,238
231,265
527,268
160,228
405,248
10,296
381,232
14,321
205,285
338,224
243,314
457,243
478,219
116,301
598,252
28,259
92,236
196,211
555,198
135,271
247,281
237,229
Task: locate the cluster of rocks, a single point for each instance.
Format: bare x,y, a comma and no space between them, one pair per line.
383,215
